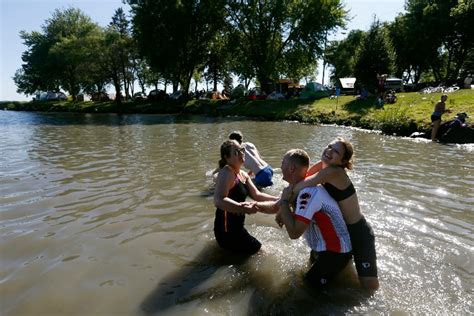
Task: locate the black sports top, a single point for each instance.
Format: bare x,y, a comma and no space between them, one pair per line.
337,194
228,221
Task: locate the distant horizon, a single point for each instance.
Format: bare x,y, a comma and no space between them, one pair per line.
30,15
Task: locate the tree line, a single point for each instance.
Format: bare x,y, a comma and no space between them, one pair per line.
177,42
433,41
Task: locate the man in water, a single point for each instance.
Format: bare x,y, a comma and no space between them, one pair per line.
440,109
254,162
317,216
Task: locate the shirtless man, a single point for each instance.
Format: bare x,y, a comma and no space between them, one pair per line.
440,109
253,161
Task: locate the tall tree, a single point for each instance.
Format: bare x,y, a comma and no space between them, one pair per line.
270,30
411,57
175,35
463,15
123,49
445,33
375,56
60,56
342,54
113,61
217,62
35,75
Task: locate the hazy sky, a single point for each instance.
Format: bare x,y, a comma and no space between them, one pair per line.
30,15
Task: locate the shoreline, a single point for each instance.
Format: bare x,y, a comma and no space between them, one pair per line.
410,114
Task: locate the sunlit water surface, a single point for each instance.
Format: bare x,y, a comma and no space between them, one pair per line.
113,215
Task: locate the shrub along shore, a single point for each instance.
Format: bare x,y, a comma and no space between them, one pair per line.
411,113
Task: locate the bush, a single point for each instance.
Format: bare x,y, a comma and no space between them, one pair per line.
393,120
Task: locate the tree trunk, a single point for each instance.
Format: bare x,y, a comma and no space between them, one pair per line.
126,82
117,85
215,77
175,86
263,79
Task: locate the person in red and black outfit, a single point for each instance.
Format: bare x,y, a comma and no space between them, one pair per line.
232,188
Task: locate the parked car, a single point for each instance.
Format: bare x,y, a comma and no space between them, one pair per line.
177,95
256,94
275,96
56,96
154,95
394,84
50,96
238,92
102,96
139,96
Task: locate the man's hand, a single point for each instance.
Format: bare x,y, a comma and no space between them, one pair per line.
278,219
249,207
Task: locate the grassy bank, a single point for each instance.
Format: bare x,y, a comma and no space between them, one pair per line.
409,114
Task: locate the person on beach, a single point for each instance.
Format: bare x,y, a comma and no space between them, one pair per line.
381,85
262,171
330,171
439,109
318,217
233,185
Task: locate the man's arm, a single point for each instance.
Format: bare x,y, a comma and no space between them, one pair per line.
295,228
256,194
268,207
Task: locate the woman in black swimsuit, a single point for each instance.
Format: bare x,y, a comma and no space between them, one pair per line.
330,171
232,188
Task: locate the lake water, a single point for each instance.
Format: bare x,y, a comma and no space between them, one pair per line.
113,215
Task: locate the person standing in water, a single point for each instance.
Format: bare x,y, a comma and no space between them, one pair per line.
254,162
330,171
233,185
439,109
318,217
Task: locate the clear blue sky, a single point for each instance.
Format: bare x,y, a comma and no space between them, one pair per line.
30,15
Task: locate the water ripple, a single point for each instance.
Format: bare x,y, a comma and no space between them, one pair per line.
124,204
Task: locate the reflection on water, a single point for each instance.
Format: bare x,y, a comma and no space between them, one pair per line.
111,214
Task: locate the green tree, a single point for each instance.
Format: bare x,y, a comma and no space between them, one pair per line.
112,62
98,75
342,54
218,59
463,15
445,35
174,36
239,62
375,56
270,31
34,74
124,48
61,56
410,57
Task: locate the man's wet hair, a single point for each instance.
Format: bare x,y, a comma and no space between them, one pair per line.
236,135
299,157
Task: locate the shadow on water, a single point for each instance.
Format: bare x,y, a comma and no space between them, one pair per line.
180,286
236,275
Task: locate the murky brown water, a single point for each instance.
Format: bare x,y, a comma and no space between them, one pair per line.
113,215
